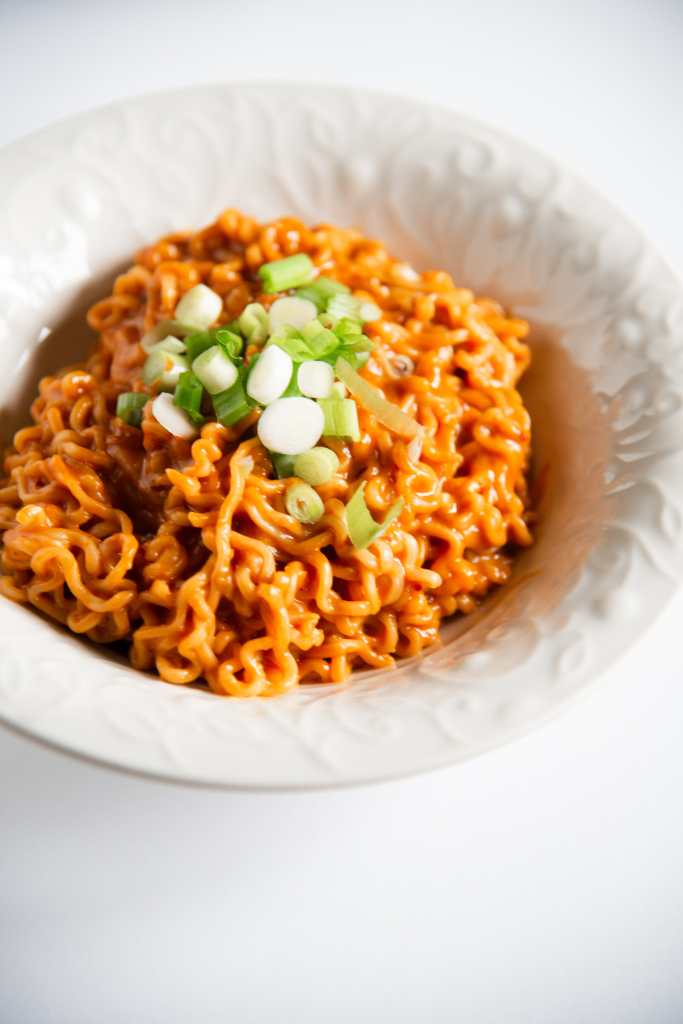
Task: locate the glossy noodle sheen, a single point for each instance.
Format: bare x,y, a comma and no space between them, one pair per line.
185,550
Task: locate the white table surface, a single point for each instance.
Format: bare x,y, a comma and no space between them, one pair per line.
541,883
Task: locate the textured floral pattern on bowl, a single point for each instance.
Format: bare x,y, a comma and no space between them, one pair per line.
605,392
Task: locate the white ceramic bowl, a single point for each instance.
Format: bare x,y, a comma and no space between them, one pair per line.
442,191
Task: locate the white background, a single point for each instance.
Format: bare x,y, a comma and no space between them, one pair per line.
540,884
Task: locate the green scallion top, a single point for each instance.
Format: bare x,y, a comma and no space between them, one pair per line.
281,275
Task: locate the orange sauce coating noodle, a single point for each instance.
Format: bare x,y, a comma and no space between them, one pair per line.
185,550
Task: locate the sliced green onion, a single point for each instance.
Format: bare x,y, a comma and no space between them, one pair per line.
200,341
199,307
230,342
363,529
356,350
321,291
281,275
162,330
341,418
316,466
338,390
155,365
291,311
164,368
291,342
197,343
293,390
168,344
232,405
357,343
317,342
356,360
388,414
154,336
215,370
308,291
254,323
369,311
303,503
349,331
188,396
354,346
346,306
173,419
321,340
290,426
315,378
347,326
282,464
343,306
129,407
269,375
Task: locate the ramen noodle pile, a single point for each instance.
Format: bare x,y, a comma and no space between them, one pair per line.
289,456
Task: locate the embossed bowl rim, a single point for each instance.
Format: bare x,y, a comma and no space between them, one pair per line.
496,203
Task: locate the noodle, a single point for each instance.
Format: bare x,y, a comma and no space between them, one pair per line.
185,550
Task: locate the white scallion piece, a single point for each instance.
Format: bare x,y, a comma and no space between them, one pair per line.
172,418
369,312
316,466
199,307
168,344
270,376
291,312
162,330
164,368
290,426
215,370
303,503
315,379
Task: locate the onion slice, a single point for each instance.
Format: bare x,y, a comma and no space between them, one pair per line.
362,528
388,414
199,307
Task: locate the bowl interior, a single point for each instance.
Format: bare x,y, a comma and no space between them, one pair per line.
440,191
